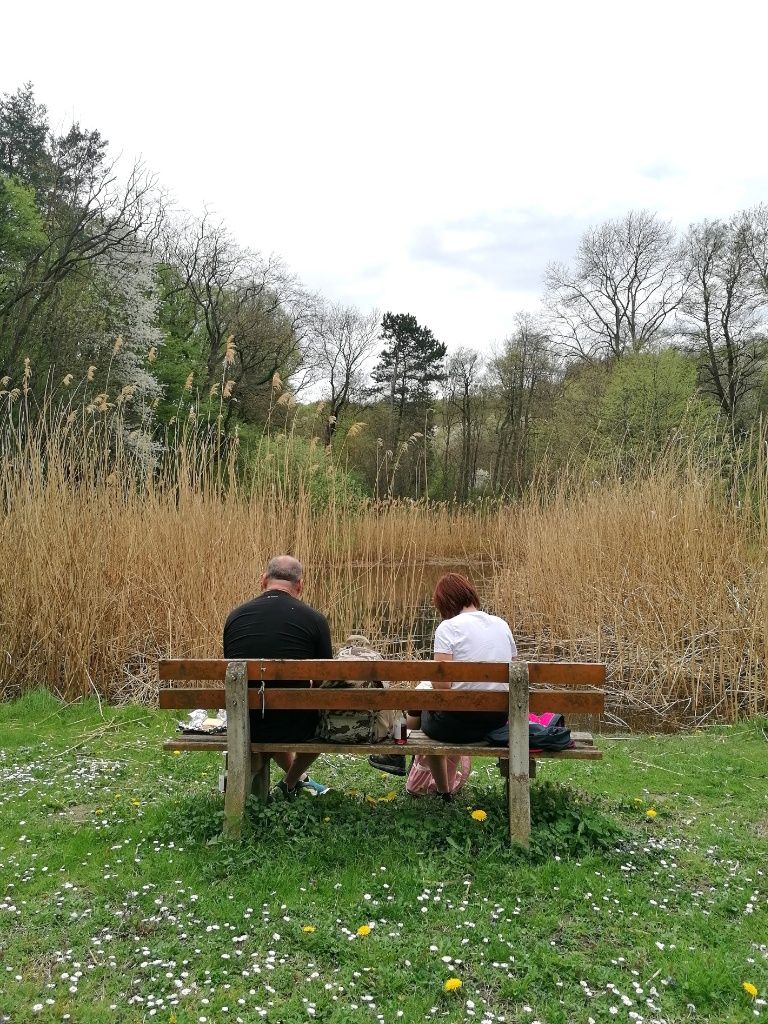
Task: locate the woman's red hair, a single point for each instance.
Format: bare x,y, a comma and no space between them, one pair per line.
452,593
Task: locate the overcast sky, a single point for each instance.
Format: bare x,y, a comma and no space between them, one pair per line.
423,157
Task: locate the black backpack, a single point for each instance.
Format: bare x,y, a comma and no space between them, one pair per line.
540,737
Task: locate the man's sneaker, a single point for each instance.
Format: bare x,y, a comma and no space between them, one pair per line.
284,792
392,764
312,787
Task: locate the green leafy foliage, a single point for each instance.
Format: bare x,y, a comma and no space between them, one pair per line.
21,226
651,398
296,468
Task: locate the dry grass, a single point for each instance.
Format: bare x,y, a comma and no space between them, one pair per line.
115,559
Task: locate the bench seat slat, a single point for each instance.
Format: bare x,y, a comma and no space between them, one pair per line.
546,673
570,701
418,743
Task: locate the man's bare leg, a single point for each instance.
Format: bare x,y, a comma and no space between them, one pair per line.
296,770
284,760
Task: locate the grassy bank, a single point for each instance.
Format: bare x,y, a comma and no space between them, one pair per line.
120,904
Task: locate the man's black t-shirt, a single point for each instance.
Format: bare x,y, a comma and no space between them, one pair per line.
277,625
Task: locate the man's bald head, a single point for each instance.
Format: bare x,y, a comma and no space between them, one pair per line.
283,572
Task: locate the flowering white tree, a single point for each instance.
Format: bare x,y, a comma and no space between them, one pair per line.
126,349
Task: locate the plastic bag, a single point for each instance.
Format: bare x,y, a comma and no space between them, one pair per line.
199,722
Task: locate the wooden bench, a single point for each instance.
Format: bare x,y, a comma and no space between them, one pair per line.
573,689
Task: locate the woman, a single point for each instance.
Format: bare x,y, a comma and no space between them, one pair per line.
465,634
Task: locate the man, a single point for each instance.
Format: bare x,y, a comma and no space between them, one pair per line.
277,624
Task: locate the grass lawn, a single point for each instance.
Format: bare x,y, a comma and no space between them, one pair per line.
119,902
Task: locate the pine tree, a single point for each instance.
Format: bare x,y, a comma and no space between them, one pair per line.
410,363
23,136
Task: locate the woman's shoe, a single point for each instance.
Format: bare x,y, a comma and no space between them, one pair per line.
392,764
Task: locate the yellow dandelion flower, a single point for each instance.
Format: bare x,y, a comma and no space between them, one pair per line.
177,753
364,929
136,803
326,820
749,988
479,815
388,797
650,813
308,928
452,985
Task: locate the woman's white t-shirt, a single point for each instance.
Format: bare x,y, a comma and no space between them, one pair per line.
476,636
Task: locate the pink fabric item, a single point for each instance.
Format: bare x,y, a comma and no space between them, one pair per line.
421,781
545,718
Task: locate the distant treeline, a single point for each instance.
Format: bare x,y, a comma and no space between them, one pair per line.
645,339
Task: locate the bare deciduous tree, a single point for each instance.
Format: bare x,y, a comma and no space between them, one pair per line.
246,309
754,224
464,402
520,374
341,342
724,309
624,285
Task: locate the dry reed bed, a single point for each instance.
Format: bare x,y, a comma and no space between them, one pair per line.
663,576
658,578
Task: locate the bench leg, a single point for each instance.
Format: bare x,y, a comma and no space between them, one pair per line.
238,747
518,785
260,776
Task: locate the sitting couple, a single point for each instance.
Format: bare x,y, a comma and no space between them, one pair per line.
277,624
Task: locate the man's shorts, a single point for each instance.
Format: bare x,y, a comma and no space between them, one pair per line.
283,726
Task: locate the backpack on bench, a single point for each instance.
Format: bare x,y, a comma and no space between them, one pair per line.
546,732
355,726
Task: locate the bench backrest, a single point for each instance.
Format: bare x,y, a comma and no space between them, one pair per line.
553,686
